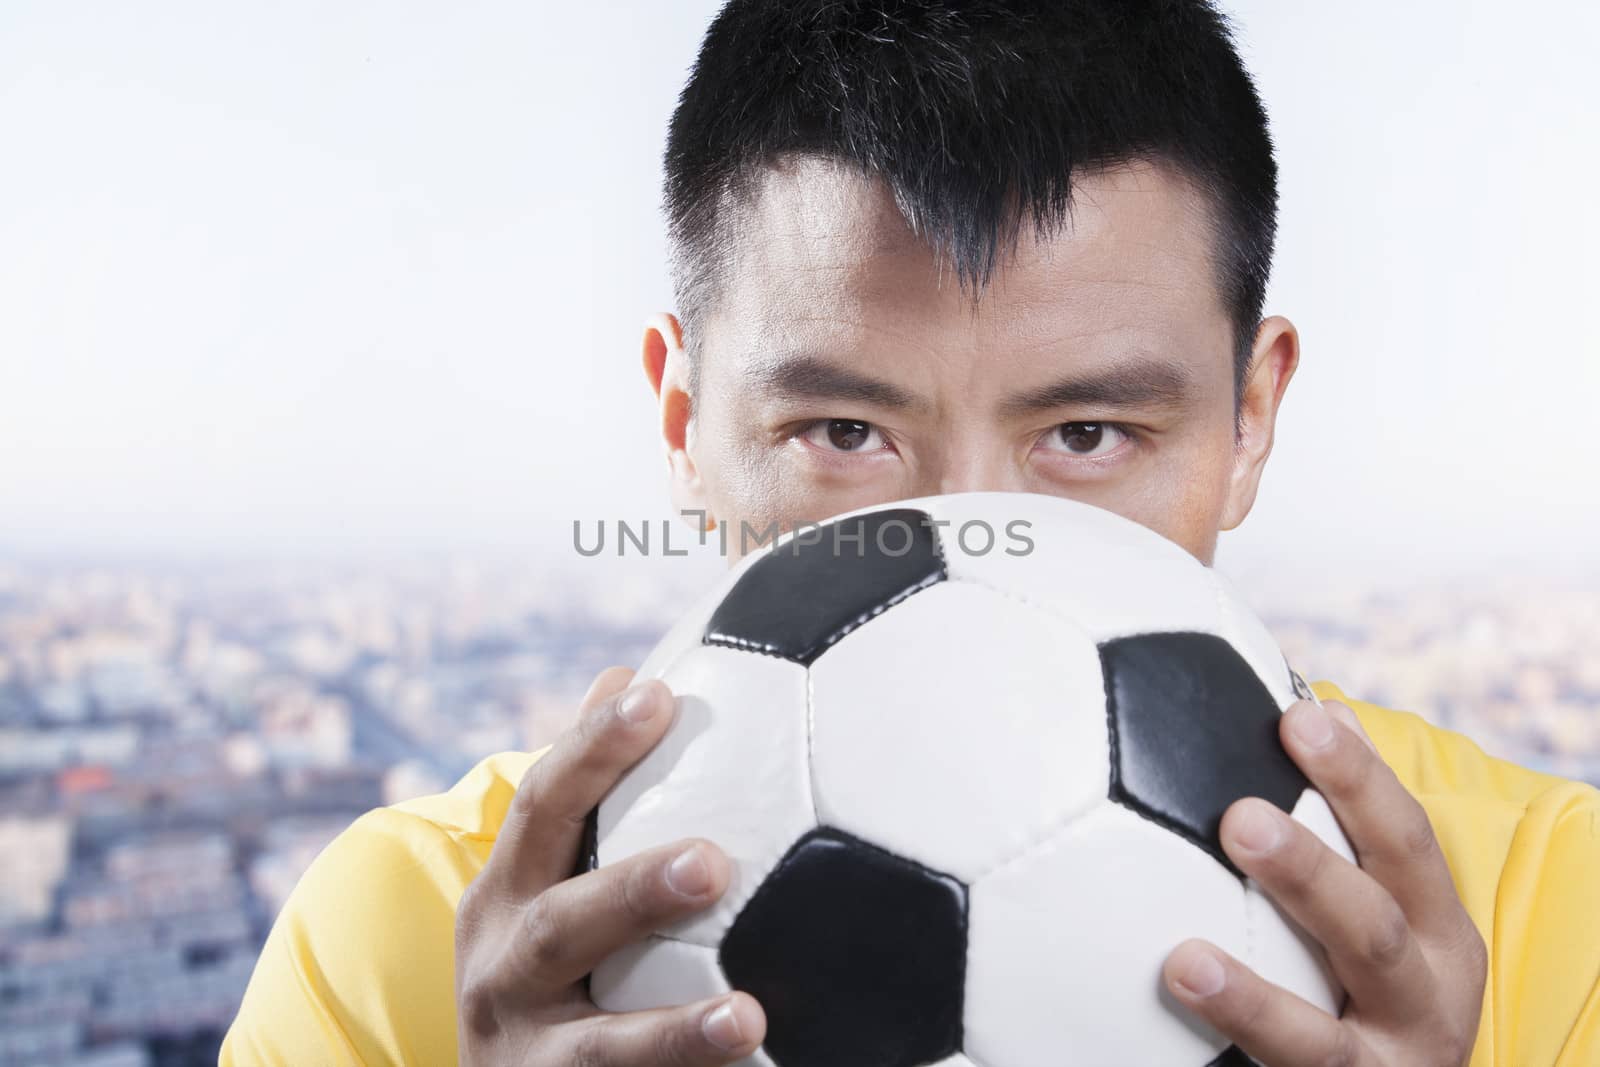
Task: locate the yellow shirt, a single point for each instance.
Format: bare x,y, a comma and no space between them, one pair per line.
359,966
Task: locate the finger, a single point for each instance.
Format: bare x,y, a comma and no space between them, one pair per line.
1345,714
538,841
607,684
568,929
1368,939
705,1034
1389,831
1273,1025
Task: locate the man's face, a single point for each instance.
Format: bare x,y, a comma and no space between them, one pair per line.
841,368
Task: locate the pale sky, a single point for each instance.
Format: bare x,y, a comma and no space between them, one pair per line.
348,276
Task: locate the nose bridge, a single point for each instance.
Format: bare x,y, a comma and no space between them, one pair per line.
991,470
973,456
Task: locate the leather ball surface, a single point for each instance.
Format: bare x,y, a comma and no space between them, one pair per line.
968,756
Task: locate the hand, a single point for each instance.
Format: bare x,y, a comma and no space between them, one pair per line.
527,932
1409,957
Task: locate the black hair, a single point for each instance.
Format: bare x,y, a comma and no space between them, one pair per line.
977,113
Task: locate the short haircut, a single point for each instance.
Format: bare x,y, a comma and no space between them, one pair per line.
977,113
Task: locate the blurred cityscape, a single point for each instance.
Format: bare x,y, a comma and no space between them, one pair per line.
176,745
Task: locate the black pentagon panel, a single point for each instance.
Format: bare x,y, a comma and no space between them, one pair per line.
859,956
1233,1056
804,595
1192,730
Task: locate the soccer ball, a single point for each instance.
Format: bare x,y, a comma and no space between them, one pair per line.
968,755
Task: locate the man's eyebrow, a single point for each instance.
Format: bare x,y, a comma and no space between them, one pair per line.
806,376
1136,383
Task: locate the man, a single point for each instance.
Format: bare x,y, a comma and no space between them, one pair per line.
927,247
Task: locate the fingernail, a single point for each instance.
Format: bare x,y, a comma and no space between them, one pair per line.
688,875
1312,726
721,1026
1259,829
637,705
1204,977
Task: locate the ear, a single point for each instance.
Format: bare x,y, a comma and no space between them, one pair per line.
1273,360
666,368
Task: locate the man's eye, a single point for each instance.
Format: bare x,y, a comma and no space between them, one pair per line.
842,435
1086,439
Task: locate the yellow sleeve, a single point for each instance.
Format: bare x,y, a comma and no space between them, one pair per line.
1524,852
360,965
1546,977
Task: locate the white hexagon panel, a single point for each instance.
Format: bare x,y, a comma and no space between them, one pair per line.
731,768
961,769
1108,575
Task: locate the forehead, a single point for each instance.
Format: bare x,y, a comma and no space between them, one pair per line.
822,252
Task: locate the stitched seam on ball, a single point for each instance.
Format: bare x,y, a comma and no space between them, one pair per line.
811,750
1055,613
1009,594
1065,822
659,936
1042,842
1178,830
742,644
1250,905
927,581
764,648
1166,822
675,660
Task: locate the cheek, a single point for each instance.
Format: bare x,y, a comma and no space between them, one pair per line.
749,478
742,481
1187,503
766,490
760,483
1181,493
